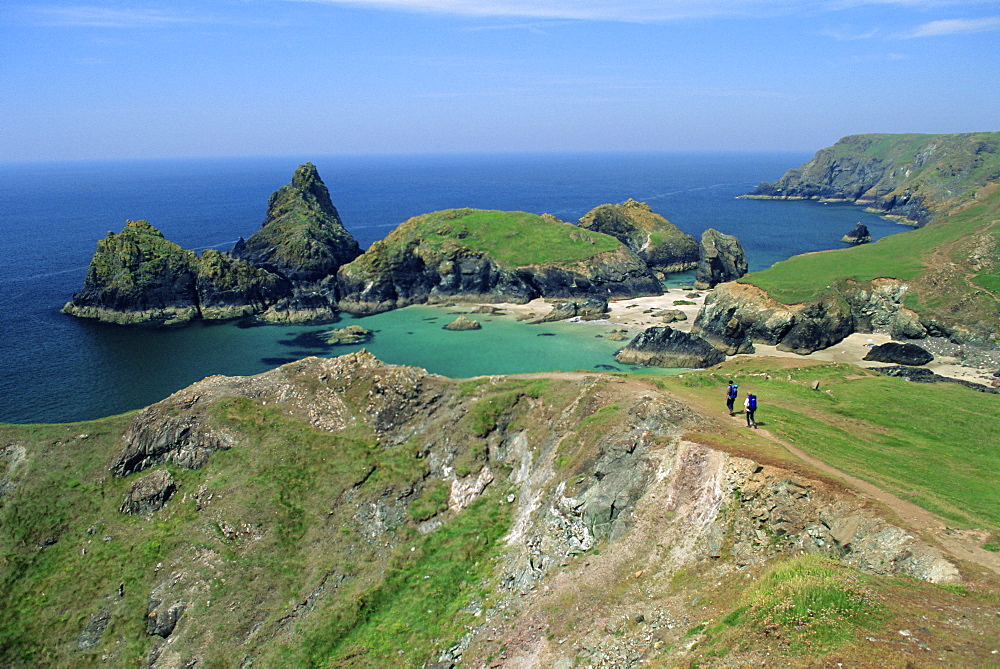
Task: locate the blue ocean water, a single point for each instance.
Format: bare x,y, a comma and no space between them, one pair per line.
56,368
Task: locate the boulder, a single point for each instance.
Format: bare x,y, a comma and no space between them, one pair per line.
672,316
589,309
859,235
463,323
721,259
161,618
899,354
667,347
149,493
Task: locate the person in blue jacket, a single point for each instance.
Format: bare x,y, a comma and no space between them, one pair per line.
731,392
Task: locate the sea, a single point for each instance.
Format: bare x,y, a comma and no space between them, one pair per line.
56,368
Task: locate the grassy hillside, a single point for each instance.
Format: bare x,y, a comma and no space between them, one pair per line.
952,265
932,444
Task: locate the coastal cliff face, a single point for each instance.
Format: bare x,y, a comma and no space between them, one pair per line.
491,256
720,259
342,511
657,241
737,315
914,177
137,276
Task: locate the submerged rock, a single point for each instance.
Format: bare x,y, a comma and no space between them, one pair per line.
667,347
721,259
463,323
859,235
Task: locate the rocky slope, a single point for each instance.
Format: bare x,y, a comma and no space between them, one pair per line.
137,276
660,243
490,256
915,177
342,512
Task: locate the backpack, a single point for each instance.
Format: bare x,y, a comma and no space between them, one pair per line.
751,402
732,391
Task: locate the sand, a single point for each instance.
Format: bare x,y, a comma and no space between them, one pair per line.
638,313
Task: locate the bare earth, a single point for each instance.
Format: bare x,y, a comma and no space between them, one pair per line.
637,314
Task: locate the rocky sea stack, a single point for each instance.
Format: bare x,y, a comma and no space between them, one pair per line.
659,243
302,238
858,235
721,259
137,276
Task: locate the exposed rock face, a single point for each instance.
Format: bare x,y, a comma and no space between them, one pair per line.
590,308
899,354
911,176
444,255
149,493
302,238
721,259
660,243
667,347
157,436
736,315
858,235
463,323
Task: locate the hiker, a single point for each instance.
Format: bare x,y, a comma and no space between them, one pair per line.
731,392
750,404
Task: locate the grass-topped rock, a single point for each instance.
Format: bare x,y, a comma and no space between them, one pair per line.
138,276
493,256
660,243
302,238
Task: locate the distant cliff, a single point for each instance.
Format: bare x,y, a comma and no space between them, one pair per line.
912,176
490,255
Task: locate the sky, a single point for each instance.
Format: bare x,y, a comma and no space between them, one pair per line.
180,78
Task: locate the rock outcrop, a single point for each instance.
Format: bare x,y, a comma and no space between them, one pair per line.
138,276
916,177
721,258
896,353
590,308
302,237
667,347
660,243
149,493
490,256
858,235
462,323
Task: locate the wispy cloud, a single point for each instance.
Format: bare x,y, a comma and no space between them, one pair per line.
107,17
955,27
594,10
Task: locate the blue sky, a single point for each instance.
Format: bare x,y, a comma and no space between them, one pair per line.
175,78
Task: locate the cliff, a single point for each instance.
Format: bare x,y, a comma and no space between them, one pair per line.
911,176
137,276
660,243
343,512
490,255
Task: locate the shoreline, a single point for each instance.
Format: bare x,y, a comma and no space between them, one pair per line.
638,313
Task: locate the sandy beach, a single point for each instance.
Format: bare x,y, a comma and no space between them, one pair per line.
637,314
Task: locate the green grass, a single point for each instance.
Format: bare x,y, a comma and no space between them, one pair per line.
812,604
900,256
933,444
511,238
